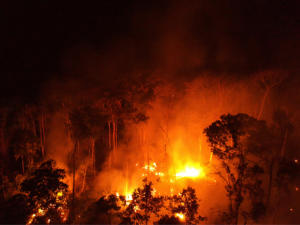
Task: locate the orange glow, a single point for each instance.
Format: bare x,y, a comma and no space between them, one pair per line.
180,216
150,167
128,198
41,211
191,172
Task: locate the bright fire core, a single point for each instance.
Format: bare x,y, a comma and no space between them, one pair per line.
191,172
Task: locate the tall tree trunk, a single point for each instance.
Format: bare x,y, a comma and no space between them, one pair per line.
114,137
22,162
83,180
2,186
109,138
270,183
92,147
239,182
72,211
3,143
42,133
262,104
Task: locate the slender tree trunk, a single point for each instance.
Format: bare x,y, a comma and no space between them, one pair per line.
33,124
23,167
109,138
114,137
275,214
270,183
2,186
262,105
92,144
84,177
282,151
42,133
72,211
238,200
3,143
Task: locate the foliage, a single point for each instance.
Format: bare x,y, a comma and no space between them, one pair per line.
86,121
230,139
102,210
142,206
46,192
26,147
187,203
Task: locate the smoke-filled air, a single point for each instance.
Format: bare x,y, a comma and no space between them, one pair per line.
152,113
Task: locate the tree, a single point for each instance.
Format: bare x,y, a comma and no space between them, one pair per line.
229,140
102,211
26,148
166,219
268,80
47,194
142,206
187,203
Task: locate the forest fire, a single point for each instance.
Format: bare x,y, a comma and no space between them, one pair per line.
150,113
147,176
180,216
191,172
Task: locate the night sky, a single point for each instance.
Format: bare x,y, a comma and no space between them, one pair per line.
46,40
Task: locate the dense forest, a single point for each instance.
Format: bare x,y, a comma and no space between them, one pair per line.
158,112
145,153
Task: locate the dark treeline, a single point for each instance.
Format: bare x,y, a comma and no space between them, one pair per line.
257,168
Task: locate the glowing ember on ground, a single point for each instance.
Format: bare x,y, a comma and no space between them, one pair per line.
190,172
180,216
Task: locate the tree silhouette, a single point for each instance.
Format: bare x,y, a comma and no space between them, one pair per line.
103,210
47,194
268,80
26,148
142,206
229,140
187,204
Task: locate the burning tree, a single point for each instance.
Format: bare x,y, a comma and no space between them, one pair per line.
47,194
229,139
142,206
185,206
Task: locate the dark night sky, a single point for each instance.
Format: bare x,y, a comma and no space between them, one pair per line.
42,40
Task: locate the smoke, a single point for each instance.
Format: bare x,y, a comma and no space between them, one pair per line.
206,57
